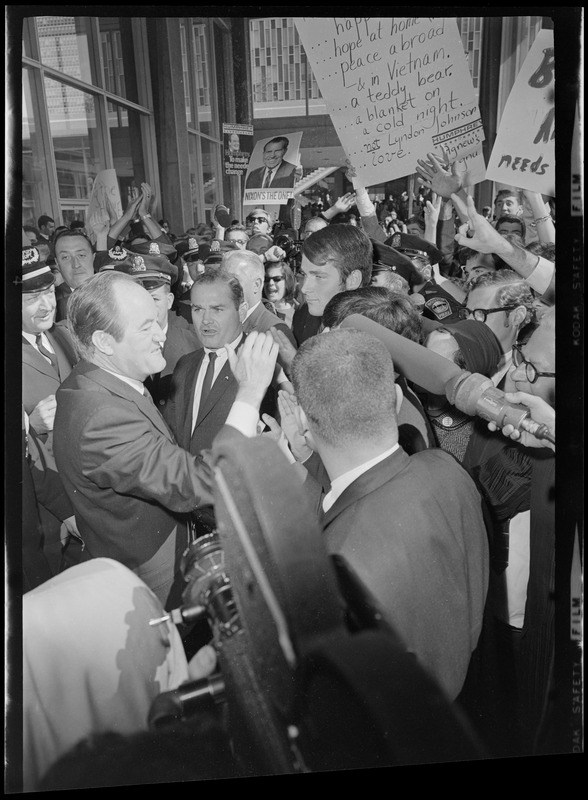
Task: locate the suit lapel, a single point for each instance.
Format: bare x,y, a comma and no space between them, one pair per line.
122,389
367,482
32,357
224,380
186,404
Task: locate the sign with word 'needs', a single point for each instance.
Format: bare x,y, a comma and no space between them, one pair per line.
524,151
397,88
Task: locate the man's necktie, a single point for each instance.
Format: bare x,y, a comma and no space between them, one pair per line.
43,350
268,178
207,383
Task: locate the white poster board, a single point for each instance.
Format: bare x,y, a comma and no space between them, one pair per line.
105,205
524,151
397,88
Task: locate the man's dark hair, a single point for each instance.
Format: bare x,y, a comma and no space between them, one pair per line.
392,310
543,249
346,247
77,223
512,218
43,220
509,193
217,274
278,140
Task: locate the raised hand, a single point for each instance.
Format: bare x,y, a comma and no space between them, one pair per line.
287,351
293,426
436,174
483,237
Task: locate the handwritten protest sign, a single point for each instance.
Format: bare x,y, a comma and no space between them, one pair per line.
238,144
282,153
524,151
396,88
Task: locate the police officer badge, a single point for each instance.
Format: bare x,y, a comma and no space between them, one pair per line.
138,264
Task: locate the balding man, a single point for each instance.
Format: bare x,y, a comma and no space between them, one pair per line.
249,270
130,484
410,526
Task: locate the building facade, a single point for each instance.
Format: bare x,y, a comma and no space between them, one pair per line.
148,96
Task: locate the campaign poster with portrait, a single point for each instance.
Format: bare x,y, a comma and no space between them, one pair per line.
273,171
238,144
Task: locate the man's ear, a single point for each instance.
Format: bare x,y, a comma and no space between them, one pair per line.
353,280
103,341
243,309
170,300
307,433
399,397
516,317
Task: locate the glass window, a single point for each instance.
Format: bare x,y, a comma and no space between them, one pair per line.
211,168
64,45
197,210
35,178
118,57
186,72
75,137
202,75
128,153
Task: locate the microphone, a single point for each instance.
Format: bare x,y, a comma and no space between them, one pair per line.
472,393
223,217
476,395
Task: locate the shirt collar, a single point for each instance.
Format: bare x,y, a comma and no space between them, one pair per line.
137,385
341,483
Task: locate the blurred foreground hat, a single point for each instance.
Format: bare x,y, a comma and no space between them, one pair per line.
409,243
479,346
36,275
388,259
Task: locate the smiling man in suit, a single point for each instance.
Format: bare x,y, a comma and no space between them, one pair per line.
131,485
46,362
275,173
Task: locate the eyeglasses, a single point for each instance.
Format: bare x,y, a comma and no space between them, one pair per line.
257,219
531,372
480,314
238,241
275,280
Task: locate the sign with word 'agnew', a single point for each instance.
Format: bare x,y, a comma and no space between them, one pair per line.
524,151
397,88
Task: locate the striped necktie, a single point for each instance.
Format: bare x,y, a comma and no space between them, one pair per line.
268,178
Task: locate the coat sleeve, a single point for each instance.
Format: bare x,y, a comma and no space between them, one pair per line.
123,451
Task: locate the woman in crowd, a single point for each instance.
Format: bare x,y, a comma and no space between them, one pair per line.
279,288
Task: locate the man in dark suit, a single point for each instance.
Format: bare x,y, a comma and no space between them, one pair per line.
131,485
275,173
74,257
46,362
198,408
157,274
410,526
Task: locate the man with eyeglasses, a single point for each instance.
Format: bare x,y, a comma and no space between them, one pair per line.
238,235
505,302
259,221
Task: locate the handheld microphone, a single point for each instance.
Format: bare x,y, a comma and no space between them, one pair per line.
472,393
476,395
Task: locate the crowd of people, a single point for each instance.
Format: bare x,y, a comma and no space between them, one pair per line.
143,349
